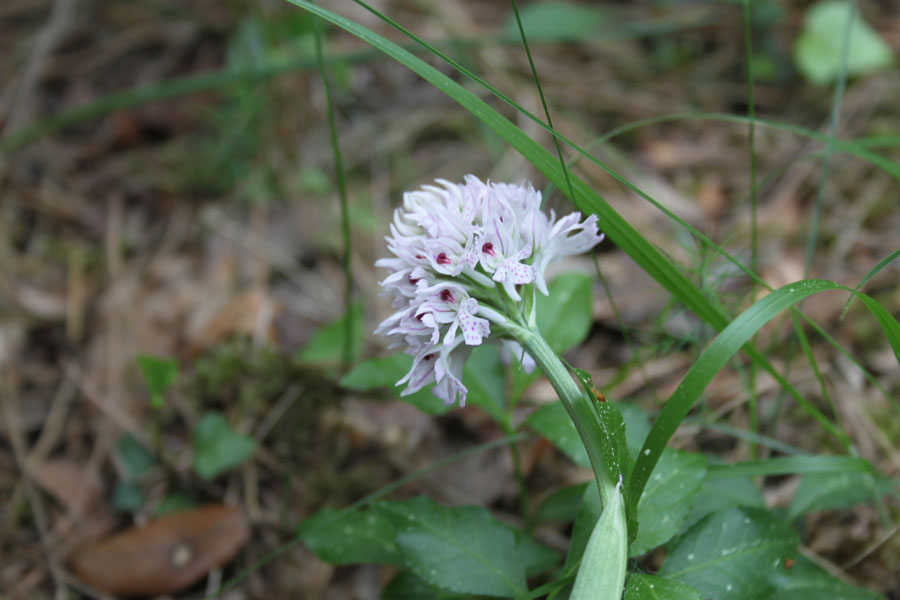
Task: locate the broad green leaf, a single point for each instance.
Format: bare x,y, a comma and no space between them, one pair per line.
159,375
553,422
640,586
377,373
819,50
564,317
807,581
563,504
217,447
826,491
485,377
535,557
668,498
719,494
406,585
136,459
731,554
352,537
327,344
461,549
174,502
637,425
557,21
385,372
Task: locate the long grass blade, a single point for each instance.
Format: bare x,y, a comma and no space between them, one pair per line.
788,465
340,176
720,351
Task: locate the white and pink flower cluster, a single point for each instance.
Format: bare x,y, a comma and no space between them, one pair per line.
462,254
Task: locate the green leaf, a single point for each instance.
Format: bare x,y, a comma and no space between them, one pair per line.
535,557
136,459
485,377
668,498
826,491
406,585
731,554
564,317
718,494
461,549
174,502
637,425
818,51
556,21
563,504
351,537
377,373
807,581
553,422
159,375
218,448
651,587
385,372
327,344
127,497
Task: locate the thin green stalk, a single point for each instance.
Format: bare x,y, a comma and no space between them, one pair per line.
836,102
537,82
342,193
754,237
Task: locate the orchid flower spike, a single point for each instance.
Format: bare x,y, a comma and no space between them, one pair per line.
463,256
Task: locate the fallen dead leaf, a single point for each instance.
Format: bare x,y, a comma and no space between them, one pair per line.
165,556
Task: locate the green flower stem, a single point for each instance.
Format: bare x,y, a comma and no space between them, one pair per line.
573,398
601,575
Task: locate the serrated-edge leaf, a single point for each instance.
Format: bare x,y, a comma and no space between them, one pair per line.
350,537
739,569
641,586
423,526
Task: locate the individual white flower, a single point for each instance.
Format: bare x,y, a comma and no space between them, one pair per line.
461,254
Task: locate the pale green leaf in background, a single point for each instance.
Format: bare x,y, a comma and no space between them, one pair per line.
819,49
217,447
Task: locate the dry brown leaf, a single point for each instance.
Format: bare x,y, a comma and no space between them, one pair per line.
165,556
74,485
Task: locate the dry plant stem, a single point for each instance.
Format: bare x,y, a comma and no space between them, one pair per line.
11,416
